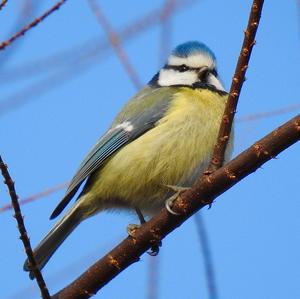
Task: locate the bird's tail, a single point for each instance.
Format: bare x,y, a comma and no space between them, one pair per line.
54,239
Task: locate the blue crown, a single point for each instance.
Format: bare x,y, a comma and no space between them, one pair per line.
192,47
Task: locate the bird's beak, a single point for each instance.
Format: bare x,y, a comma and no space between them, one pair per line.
213,80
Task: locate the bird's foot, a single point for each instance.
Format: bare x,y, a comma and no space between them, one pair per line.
154,250
132,228
170,201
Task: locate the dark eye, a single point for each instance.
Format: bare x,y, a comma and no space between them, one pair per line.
183,68
203,76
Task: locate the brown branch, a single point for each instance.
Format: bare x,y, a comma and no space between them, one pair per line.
115,42
236,86
3,3
201,194
23,233
38,20
35,197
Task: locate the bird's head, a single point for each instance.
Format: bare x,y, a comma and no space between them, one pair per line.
189,63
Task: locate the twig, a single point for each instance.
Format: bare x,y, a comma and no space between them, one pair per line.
266,114
115,42
236,86
23,233
87,49
25,14
3,3
207,257
165,26
34,197
8,42
201,194
153,278
217,159
75,66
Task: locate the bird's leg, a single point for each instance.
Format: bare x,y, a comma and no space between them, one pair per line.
140,215
170,201
131,229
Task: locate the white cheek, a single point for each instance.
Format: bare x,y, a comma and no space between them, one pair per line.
171,77
215,82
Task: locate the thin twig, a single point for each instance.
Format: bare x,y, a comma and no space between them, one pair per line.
189,202
217,159
266,114
165,34
207,257
74,65
23,233
88,49
153,278
35,197
25,14
3,3
38,20
236,86
115,42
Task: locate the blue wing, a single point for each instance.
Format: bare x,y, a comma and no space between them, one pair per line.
122,132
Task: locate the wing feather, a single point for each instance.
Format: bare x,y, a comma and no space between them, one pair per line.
124,130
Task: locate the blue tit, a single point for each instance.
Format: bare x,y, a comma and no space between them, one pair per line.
163,136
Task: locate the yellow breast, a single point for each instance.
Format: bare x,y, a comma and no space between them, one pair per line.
169,154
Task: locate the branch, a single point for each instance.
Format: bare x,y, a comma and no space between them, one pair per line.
38,20
34,197
236,86
115,42
207,257
201,194
3,3
23,233
266,114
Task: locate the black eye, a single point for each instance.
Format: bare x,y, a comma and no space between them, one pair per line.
183,68
203,76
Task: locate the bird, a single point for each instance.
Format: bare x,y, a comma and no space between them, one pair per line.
158,144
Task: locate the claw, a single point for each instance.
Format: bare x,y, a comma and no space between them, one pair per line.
154,249
132,228
170,201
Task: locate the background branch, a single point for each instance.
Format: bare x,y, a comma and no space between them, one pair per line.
38,20
23,233
2,4
207,257
115,42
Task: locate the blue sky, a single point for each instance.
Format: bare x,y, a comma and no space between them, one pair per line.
254,229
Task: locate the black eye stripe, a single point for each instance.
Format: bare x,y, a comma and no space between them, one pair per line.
180,68
184,68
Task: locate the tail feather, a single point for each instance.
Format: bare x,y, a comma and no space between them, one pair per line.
61,230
